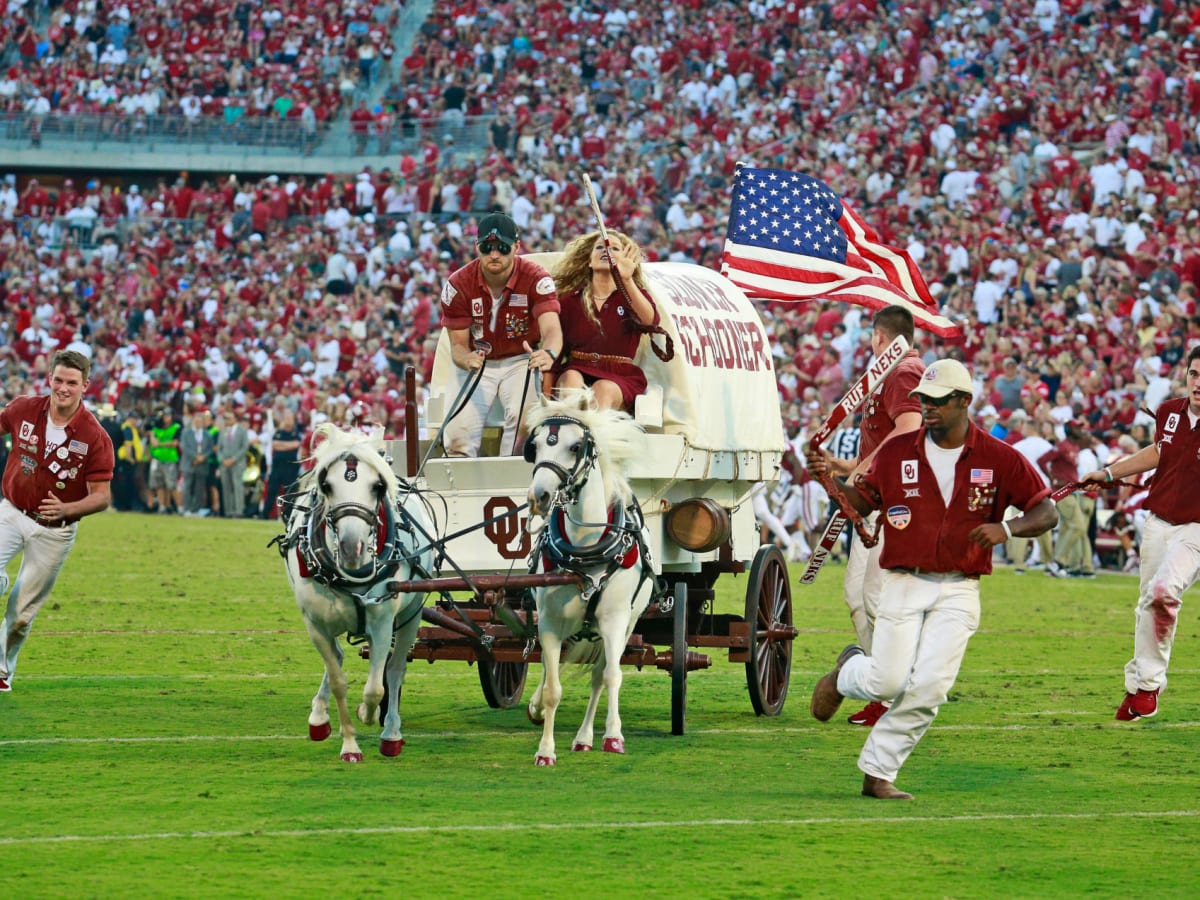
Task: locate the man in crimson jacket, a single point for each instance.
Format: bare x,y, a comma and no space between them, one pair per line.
942,492
60,470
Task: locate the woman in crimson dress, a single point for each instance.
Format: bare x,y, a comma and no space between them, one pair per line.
602,325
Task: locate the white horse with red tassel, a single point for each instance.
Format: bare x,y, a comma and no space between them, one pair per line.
594,528
351,533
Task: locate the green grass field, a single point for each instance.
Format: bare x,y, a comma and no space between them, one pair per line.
155,745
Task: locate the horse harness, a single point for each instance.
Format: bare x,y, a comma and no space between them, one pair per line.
620,546
318,562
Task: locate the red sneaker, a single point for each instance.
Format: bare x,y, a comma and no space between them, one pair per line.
1141,705
1124,713
1144,704
868,715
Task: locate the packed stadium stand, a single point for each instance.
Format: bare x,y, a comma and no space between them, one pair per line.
183,177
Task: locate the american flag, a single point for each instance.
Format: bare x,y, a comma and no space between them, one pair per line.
790,237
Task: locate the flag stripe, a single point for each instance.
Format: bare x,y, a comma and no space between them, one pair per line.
900,267
773,281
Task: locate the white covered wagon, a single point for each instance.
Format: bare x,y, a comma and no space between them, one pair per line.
713,431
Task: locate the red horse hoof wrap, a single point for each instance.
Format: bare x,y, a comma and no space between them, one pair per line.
614,745
352,757
319,732
391,748
543,761
581,748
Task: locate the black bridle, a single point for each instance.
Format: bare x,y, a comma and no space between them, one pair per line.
572,480
311,540
331,515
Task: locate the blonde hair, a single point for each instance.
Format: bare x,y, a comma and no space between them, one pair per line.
574,270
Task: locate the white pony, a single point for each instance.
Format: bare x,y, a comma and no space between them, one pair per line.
595,528
349,535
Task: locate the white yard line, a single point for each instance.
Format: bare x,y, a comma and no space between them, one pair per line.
660,824
525,734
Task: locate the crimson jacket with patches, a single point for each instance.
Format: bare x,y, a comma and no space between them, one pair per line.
507,322
86,454
920,531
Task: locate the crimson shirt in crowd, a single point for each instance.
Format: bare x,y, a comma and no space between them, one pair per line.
1061,463
509,321
920,531
86,454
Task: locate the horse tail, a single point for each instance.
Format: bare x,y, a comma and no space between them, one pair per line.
585,653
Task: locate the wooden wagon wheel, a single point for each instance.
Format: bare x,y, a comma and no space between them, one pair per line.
502,682
679,653
768,607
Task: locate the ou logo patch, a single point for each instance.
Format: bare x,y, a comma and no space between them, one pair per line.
504,532
908,471
26,431
1171,424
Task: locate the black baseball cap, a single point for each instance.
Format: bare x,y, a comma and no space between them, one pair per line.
497,225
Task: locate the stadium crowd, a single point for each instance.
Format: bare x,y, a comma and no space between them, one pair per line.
1037,159
138,60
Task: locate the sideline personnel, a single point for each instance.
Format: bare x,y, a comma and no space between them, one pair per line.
1170,554
890,411
942,491
59,471
508,303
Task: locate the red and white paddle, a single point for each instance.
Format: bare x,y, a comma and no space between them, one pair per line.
866,385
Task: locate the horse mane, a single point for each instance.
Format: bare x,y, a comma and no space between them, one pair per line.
331,442
618,437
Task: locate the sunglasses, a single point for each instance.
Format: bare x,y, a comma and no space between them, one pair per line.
486,247
937,401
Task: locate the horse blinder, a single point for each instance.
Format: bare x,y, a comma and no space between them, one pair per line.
552,426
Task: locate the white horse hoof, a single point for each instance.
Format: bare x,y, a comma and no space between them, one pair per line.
578,747
352,757
319,732
614,745
391,748
543,760
534,717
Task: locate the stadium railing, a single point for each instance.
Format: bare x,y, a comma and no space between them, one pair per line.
245,136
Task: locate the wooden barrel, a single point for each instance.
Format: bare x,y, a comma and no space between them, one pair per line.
699,524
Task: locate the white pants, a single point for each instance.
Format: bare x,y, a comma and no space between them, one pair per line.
504,379
762,512
1170,565
921,634
806,505
44,552
864,581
